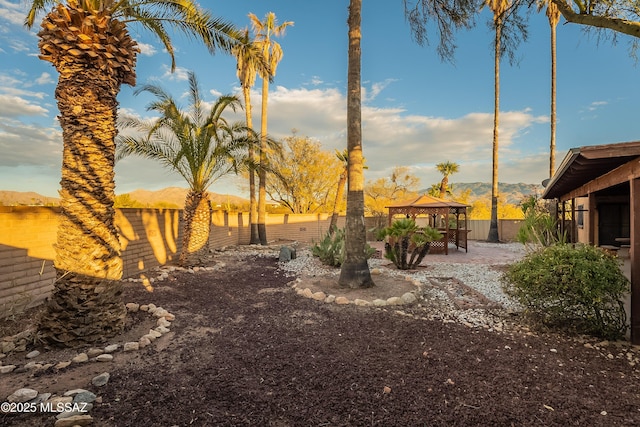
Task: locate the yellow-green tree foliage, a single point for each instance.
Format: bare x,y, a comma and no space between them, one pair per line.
400,186
305,176
481,209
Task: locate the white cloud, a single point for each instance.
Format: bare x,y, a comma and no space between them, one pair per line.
147,49
45,78
180,74
22,144
391,137
369,95
14,106
12,12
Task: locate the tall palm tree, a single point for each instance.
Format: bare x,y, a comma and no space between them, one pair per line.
343,156
249,60
499,8
272,52
354,272
446,168
89,44
198,144
553,14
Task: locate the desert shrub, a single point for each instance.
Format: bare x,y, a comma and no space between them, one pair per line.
579,289
331,249
539,226
406,244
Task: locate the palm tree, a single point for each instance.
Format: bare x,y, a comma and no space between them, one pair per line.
272,52
89,44
553,14
343,156
499,8
249,59
354,272
199,145
446,168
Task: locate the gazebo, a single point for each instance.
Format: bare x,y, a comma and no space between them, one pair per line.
439,212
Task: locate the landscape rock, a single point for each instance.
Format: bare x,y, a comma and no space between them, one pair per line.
409,298
7,368
22,395
104,358
93,352
342,300
62,365
32,354
395,301
80,358
101,379
132,307
131,346
75,420
84,397
111,348
287,253
319,296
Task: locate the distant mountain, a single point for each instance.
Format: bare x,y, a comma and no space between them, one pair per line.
176,196
510,193
20,198
172,195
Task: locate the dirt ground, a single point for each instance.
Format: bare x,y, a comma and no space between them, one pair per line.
246,350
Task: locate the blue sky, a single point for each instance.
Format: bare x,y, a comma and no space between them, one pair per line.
417,111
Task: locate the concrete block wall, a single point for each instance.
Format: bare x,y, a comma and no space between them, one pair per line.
27,275
148,238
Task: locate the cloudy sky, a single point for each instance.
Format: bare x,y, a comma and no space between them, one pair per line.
417,111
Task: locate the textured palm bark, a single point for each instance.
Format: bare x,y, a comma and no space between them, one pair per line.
493,224
196,228
86,305
253,202
354,272
262,173
339,196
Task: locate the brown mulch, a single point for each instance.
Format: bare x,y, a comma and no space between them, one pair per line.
246,350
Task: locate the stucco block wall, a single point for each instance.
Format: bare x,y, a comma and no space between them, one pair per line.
148,238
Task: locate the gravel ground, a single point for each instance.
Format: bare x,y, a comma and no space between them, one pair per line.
481,270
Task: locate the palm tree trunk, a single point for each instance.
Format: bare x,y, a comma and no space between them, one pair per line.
493,225
355,272
552,145
196,228
339,195
86,305
253,206
262,173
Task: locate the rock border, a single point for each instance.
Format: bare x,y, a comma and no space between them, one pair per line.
404,299
73,407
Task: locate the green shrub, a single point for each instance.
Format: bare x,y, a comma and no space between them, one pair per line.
331,249
406,244
539,226
578,289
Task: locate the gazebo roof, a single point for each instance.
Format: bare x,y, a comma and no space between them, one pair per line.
426,201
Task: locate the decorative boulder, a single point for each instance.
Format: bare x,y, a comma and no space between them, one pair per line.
287,253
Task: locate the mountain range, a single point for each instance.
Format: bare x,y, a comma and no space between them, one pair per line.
511,193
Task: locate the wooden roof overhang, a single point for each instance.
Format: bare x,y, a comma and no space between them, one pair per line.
589,169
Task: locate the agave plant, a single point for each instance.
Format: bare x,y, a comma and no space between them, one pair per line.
406,244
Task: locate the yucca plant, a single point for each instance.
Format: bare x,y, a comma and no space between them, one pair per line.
406,244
